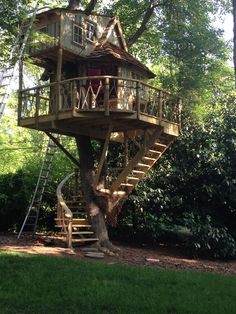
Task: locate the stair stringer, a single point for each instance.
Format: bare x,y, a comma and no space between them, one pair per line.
150,139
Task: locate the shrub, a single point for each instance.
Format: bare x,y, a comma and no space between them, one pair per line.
211,241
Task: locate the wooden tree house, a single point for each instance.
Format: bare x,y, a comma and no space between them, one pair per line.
93,86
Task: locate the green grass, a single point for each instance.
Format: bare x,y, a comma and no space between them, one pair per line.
42,284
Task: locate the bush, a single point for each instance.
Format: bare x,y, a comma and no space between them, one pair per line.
211,241
13,200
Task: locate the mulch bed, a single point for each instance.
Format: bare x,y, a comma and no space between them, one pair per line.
160,257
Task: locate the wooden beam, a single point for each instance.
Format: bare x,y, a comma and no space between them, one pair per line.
65,151
103,157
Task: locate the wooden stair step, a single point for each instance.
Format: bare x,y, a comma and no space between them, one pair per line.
127,184
160,144
143,165
74,226
152,151
85,239
133,178
138,171
149,158
78,232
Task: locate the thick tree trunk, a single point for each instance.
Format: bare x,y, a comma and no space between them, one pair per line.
234,56
96,214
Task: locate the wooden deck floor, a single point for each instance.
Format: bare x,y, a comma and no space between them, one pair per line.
95,123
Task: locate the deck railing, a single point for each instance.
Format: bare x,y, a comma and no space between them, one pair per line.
105,93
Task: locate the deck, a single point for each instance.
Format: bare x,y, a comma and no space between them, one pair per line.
89,105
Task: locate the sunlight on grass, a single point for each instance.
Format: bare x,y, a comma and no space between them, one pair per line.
42,284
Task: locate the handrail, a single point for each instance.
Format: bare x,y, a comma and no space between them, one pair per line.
68,212
108,93
81,78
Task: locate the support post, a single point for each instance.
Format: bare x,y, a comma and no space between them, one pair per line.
103,157
74,94
70,234
106,96
63,149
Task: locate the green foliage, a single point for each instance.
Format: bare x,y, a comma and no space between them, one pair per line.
13,200
209,240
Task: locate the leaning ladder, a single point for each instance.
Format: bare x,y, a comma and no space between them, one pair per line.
7,72
31,218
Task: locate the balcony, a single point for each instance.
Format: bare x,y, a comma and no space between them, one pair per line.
96,101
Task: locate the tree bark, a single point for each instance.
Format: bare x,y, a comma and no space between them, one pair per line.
152,5
90,7
234,53
74,5
95,211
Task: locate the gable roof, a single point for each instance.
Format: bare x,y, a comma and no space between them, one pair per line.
118,54
113,25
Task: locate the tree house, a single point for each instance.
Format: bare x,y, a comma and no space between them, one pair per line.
92,86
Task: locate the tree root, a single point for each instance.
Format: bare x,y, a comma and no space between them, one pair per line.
108,248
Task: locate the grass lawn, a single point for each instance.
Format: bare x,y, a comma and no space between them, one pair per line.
42,284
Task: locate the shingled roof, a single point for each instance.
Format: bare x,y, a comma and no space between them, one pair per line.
108,49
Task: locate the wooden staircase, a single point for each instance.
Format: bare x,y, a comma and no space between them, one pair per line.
155,143
71,209
71,213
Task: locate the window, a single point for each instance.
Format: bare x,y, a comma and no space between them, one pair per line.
90,31
77,34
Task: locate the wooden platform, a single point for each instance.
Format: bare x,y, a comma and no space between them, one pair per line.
95,123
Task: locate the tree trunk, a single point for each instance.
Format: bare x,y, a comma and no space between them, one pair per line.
234,56
96,214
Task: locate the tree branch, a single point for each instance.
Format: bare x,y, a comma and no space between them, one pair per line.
152,5
74,5
90,7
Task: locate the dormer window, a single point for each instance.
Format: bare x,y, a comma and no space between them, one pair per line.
90,31
77,35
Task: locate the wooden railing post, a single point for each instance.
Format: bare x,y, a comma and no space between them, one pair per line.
70,233
74,94
138,99
106,96
160,102
37,107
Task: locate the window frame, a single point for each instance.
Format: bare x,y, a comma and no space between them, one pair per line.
79,27
90,32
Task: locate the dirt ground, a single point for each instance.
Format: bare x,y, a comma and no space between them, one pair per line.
160,257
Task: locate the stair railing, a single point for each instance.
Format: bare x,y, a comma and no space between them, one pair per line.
64,214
